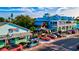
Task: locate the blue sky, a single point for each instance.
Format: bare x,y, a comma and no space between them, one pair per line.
38,11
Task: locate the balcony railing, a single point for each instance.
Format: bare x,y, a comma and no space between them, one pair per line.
67,24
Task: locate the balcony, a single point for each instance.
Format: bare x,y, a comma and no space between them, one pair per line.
67,24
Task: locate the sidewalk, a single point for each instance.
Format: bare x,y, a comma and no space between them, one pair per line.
36,48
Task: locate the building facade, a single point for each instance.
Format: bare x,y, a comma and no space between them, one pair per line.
13,34
77,22
56,22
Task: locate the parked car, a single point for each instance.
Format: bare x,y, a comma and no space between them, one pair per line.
43,37
34,42
69,32
52,36
3,49
57,34
73,31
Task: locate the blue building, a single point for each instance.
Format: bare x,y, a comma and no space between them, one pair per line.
56,22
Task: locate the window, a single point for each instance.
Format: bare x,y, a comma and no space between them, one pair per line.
61,22
54,23
70,27
10,30
66,27
13,29
50,22
68,22
63,28
59,28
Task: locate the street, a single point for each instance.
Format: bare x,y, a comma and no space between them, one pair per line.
61,44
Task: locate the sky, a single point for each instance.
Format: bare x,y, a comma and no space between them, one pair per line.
38,11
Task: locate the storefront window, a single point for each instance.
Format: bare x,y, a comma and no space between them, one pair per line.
70,27
54,23
63,28
66,27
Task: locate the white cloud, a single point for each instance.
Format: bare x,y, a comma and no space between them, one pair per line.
70,12
61,9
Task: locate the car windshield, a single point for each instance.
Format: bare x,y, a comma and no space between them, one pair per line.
54,35
57,33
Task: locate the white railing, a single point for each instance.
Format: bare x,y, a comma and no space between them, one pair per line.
70,24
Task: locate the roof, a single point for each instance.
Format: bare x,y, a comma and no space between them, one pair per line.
57,17
5,26
54,17
38,23
18,26
41,19
67,18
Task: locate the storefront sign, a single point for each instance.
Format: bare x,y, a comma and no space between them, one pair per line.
11,35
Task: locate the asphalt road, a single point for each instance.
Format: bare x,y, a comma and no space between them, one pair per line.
63,45
68,43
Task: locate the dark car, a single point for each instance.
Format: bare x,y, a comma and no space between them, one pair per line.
52,36
43,37
57,34
73,31
34,42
